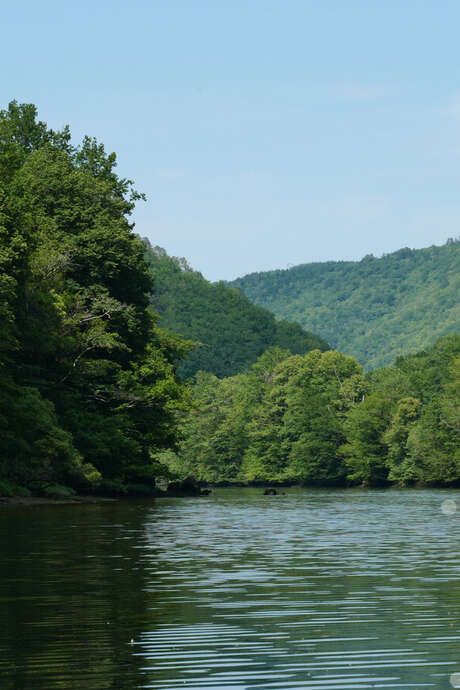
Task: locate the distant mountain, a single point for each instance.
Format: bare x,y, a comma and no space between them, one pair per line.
231,331
374,309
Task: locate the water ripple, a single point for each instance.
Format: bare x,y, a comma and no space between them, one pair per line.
313,589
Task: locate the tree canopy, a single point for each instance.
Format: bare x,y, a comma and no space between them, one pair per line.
88,381
373,309
316,419
230,332
90,395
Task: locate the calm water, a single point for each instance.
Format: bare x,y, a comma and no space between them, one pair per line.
314,589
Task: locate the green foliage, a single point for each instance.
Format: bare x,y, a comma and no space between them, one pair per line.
315,419
90,398
231,332
403,431
364,451
88,382
214,432
316,404
282,421
374,309
396,439
58,491
33,446
9,489
450,401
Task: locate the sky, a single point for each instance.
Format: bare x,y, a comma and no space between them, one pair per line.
265,133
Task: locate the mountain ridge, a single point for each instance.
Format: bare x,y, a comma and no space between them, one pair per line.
375,309
230,332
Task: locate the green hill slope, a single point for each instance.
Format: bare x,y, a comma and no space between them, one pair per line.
373,309
233,332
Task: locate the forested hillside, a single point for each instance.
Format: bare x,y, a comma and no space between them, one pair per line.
373,309
90,397
316,419
88,387
230,331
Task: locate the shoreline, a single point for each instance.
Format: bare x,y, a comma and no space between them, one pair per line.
33,501
43,501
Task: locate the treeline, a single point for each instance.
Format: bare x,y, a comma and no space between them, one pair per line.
88,384
317,419
90,395
230,333
375,309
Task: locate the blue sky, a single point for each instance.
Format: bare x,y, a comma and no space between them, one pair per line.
264,133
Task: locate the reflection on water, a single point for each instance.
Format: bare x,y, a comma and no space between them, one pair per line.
315,589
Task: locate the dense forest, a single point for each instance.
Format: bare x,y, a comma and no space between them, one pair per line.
230,333
316,419
373,309
88,384
97,328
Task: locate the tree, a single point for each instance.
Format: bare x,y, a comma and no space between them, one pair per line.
297,430
402,467
80,341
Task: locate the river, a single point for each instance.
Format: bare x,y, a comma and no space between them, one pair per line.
322,589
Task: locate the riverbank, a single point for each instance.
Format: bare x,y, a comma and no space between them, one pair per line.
43,501
200,489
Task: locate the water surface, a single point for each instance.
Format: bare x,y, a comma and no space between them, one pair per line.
313,589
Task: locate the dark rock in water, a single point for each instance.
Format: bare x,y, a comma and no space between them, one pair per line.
187,487
270,492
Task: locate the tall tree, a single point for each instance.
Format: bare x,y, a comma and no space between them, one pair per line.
74,299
